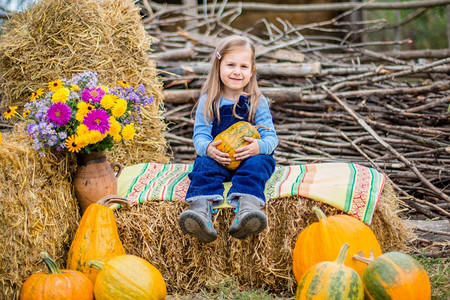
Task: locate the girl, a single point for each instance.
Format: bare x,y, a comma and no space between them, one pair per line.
230,94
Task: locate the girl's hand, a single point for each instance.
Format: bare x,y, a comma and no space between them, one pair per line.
247,150
219,156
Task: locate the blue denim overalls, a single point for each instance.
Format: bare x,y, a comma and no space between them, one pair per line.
250,177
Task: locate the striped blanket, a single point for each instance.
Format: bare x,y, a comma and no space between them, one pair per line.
352,188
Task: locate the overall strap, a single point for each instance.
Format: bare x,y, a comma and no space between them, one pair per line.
227,118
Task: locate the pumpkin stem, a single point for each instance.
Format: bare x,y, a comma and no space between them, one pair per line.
360,257
51,264
96,264
319,213
342,254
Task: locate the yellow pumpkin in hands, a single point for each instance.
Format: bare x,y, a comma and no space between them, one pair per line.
233,138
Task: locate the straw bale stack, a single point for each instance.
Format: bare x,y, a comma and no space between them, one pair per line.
37,210
151,231
59,38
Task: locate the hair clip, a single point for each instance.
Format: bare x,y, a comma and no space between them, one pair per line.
219,57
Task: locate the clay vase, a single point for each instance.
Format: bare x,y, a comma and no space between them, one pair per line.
95,178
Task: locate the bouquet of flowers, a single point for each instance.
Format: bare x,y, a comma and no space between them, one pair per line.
80,115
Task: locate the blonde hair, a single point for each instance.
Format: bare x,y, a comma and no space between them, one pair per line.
213,86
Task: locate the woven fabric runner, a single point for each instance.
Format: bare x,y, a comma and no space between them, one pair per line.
352,188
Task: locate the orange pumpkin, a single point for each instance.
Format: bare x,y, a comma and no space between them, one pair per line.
395,275
57,284
233,138
96,238
322,240
331,280
128,277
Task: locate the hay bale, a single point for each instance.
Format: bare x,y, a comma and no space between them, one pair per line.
148,145
59,38
37,210
151,231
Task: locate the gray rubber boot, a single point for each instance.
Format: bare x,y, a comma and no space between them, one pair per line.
197,221
249,218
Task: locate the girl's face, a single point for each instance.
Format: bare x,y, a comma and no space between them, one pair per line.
236,69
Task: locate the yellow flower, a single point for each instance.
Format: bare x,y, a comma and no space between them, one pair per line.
82,140
55,85
128,131
79,116
72,145
83,109
82,130
119,108
107,101
115,127
33,96
105,88
39,92
123,83
36,95
96,136
26,113
11,112
117,138
61,95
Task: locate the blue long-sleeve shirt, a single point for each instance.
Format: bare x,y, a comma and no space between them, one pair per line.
202,130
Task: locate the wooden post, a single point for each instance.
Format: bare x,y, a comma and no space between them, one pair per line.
397,29
356,16
447,14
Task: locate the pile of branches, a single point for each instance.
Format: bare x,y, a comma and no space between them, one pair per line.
334,96
333,99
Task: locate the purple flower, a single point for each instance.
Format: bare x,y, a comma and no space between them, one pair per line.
92,94
59,113
97,119
148,100
52,140
45,128
38,115
87,78
133,98
32,129
62,135
141,89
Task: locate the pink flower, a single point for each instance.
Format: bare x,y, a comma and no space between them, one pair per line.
92,94
59,113
97,119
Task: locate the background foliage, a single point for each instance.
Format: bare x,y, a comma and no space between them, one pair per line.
428,30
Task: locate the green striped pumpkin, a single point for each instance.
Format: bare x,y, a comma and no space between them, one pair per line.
396,276
233,138
331,280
